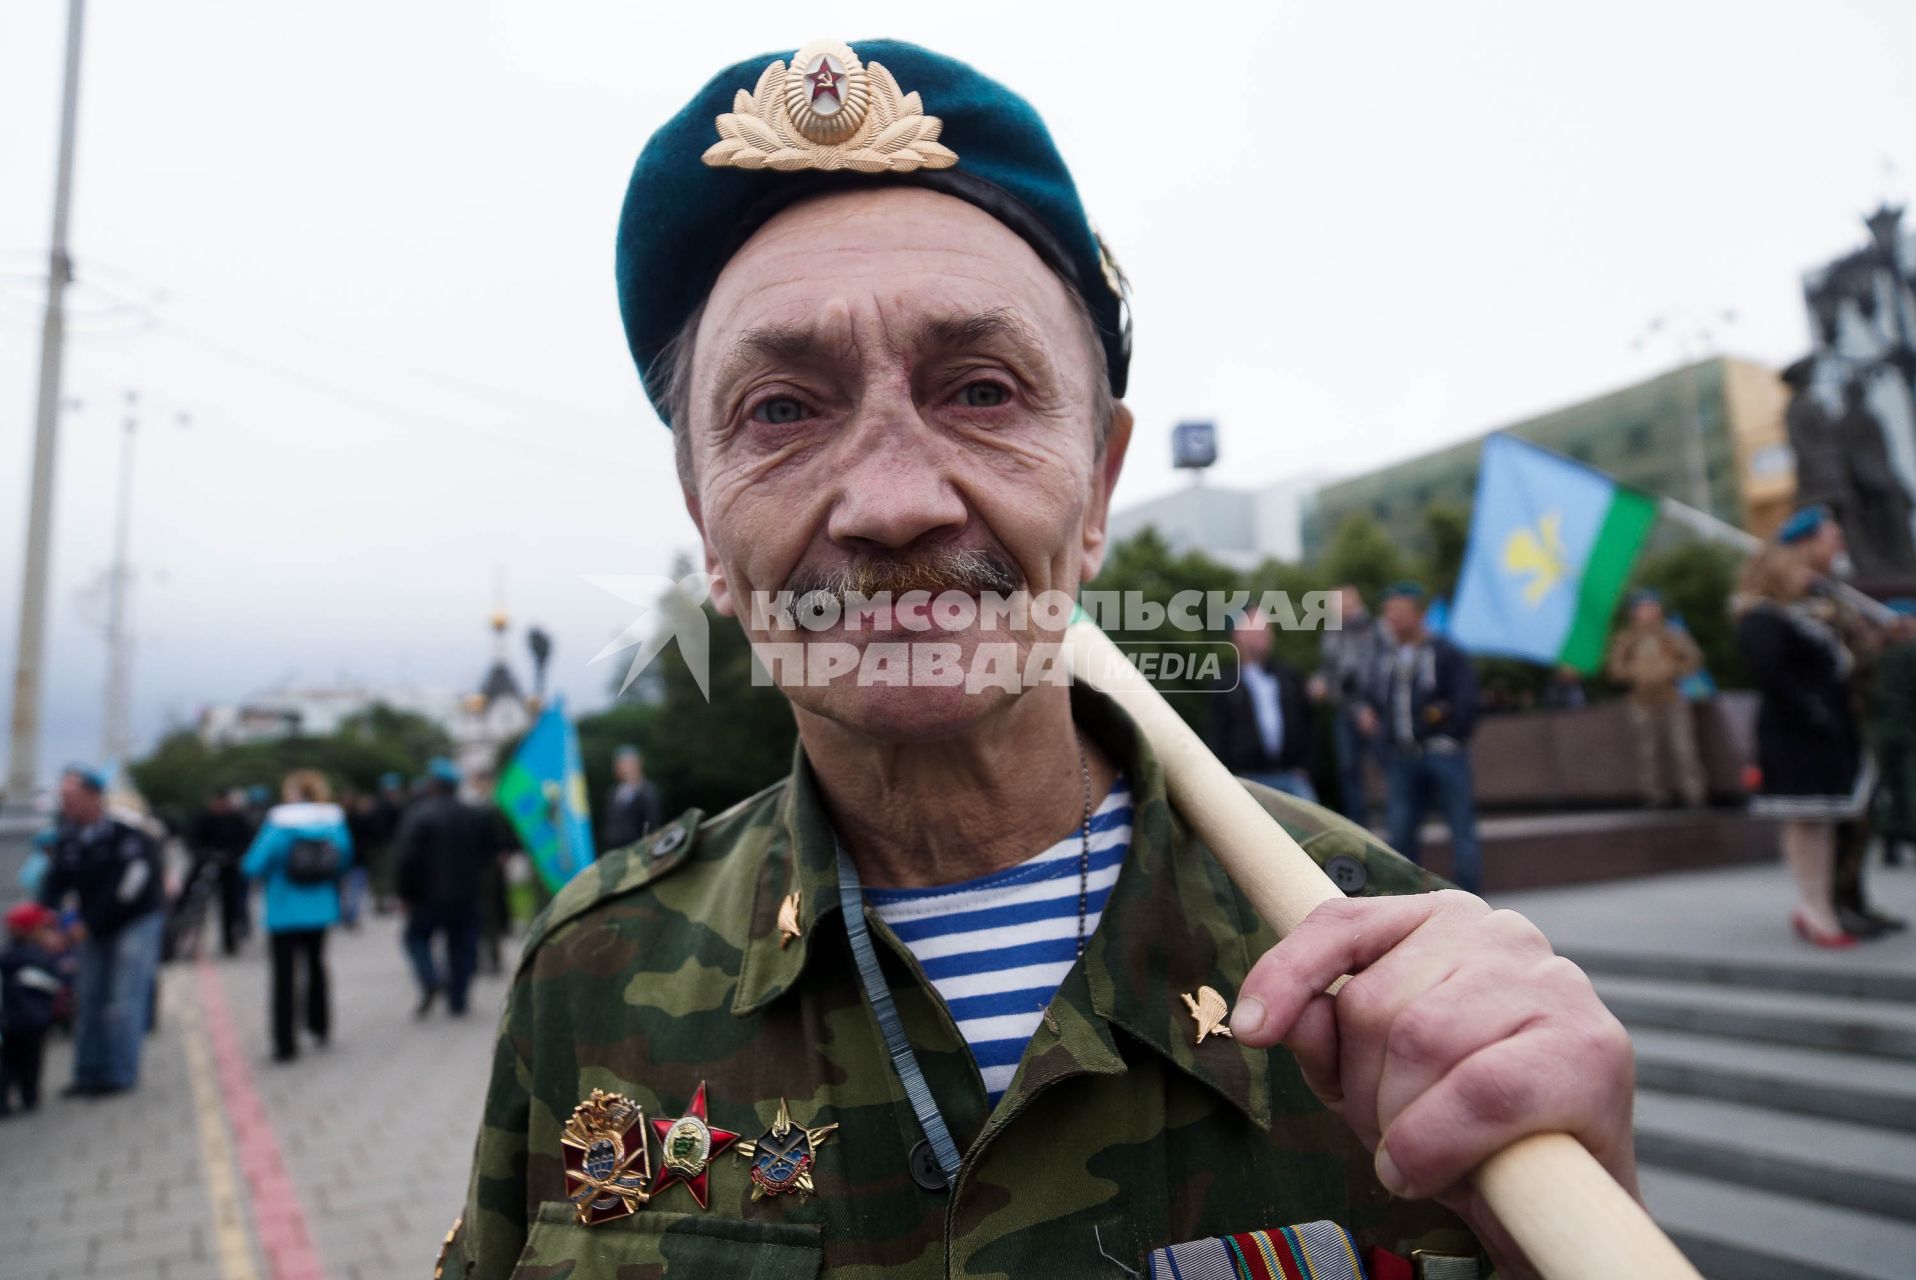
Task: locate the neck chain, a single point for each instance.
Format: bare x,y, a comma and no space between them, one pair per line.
1084,846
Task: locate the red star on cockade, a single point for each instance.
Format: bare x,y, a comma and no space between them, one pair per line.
825,80
696,1183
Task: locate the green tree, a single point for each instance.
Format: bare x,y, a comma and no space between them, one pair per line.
183,771
414,735
1362,553
1145,569
1446,535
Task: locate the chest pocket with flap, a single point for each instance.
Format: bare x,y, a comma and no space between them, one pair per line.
651,1244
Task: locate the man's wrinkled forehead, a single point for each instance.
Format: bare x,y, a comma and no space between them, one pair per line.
934,267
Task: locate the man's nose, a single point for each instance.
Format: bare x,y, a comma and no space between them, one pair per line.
894,483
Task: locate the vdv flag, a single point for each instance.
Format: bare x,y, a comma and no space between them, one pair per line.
542,792
1551,546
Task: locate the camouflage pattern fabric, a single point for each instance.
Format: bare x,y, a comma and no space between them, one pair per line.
660,967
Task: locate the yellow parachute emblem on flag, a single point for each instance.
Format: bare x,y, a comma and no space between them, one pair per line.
1537,553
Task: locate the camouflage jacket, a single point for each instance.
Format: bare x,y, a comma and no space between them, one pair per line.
661,967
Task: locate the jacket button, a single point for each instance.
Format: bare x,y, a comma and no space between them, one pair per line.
669,840
1347,873
924,1167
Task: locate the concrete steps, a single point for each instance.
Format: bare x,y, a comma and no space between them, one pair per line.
1733,1233
1875,1092
1776,1105
1848,1166
1844,1024
1807,972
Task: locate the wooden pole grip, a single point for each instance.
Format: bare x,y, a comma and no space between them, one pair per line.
1571,1218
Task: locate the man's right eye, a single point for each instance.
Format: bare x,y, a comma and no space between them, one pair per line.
778,411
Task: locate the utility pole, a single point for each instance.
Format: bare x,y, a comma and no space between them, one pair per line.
115,734
22,759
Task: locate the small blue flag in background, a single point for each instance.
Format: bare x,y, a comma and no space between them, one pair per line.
542,791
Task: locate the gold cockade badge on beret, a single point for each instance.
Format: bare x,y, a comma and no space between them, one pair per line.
828,110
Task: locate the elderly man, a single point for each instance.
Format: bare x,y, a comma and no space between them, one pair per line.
949,999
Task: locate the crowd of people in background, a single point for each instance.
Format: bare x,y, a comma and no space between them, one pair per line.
84,950
1835,733
1398,693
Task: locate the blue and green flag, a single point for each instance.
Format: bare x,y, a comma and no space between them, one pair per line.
1552,543
542,792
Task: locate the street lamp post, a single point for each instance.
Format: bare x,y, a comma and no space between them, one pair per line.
22,759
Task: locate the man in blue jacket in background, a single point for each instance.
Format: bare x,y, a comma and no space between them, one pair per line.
1422,708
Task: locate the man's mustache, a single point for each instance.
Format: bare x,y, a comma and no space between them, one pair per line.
970,570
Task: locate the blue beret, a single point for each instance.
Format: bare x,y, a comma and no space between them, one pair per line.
1404,590
1902,607
1803,524
87,776
683,219
1645,595
443,769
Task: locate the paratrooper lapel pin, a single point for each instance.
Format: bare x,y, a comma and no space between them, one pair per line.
782,1156
788,925
607,1158
1209,1011
686,1148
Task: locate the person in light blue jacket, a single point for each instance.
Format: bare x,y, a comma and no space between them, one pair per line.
301,852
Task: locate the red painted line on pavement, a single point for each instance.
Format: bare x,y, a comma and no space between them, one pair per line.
279,1221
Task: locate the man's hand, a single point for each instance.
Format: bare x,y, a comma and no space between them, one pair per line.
1459,1033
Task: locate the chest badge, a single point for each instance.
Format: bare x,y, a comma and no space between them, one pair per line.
686,1147
608,1160
1210,1013
782,1156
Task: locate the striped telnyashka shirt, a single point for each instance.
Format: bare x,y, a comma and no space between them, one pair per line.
997,947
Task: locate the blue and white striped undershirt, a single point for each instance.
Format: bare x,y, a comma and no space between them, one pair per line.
996,948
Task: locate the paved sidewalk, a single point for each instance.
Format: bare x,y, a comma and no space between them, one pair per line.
349,1164
1737,913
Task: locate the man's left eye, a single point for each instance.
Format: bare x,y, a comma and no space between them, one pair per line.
983,395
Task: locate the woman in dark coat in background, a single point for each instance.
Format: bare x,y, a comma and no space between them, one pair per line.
1814,771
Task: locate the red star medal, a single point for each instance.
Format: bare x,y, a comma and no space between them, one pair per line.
688,1144
825,80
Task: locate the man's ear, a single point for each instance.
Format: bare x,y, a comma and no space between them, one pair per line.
721,596
1097,515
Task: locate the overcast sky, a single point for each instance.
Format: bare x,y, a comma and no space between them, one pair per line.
367,248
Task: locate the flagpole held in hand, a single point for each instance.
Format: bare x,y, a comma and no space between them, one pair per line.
1571,1218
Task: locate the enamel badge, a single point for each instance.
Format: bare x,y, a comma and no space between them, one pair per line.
607,1160
686,1148
782,1156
